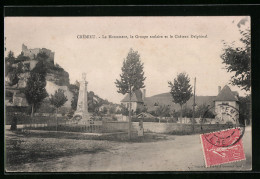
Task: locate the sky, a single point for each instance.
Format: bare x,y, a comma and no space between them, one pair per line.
102,58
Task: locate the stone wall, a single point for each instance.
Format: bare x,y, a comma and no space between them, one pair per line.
164,128
115,126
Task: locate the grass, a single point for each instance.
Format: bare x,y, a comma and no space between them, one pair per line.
22,148
30,147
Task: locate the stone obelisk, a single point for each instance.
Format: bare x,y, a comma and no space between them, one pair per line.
82,105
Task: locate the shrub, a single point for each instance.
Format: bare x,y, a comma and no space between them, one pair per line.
114,118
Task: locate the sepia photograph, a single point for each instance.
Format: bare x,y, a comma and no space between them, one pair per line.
127,94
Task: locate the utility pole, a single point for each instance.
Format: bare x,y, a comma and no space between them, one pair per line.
193,109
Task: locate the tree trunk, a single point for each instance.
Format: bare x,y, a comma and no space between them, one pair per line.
56,119
130,110
181,115
32,113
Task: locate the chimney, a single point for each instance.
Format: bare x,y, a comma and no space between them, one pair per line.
219,89
144,91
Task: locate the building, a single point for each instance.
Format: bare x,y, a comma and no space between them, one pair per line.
137,100
227,106
32,53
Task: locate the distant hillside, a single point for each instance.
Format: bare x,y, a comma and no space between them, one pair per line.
166,99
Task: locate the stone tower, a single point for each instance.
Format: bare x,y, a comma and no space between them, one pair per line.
82,105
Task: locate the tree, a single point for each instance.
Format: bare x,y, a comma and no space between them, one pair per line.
124,110
13,68
74,88
58,100
112,110
204,111
104,110
238,60
131,79
159,112
35,91
9,61
244,109
181,90
22,58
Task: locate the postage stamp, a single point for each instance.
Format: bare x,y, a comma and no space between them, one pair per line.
223,146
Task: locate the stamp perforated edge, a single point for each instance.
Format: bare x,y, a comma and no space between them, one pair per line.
203,150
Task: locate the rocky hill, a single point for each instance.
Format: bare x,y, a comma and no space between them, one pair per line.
17,71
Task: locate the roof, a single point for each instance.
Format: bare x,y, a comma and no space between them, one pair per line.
145,115
136,97
166,99
227,95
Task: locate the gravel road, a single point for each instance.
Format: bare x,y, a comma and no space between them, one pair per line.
177,153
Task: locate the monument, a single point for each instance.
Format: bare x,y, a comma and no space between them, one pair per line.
82,105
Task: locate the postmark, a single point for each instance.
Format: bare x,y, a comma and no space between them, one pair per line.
228,115
224,146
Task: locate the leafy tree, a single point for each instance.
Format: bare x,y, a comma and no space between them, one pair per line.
186,112
238,60
13,68
9,61
181,90
104,110
167,111
124,110
74,102
112,110
244,109
94,105
10,57
159,112
204,111
22,58
137,111
35,91
74,88
131,79
58,100
118,111
41,68
162,111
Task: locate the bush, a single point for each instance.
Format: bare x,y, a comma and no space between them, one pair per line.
114,118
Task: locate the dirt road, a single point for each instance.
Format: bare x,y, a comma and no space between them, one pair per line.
177,153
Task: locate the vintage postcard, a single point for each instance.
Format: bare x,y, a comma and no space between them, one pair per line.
137,94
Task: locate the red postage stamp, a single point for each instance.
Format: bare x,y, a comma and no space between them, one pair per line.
223,146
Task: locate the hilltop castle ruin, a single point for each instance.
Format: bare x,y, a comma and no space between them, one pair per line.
32,53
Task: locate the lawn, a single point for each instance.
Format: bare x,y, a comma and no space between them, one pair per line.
24,148
31,147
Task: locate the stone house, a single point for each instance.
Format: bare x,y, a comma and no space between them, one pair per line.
137,100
